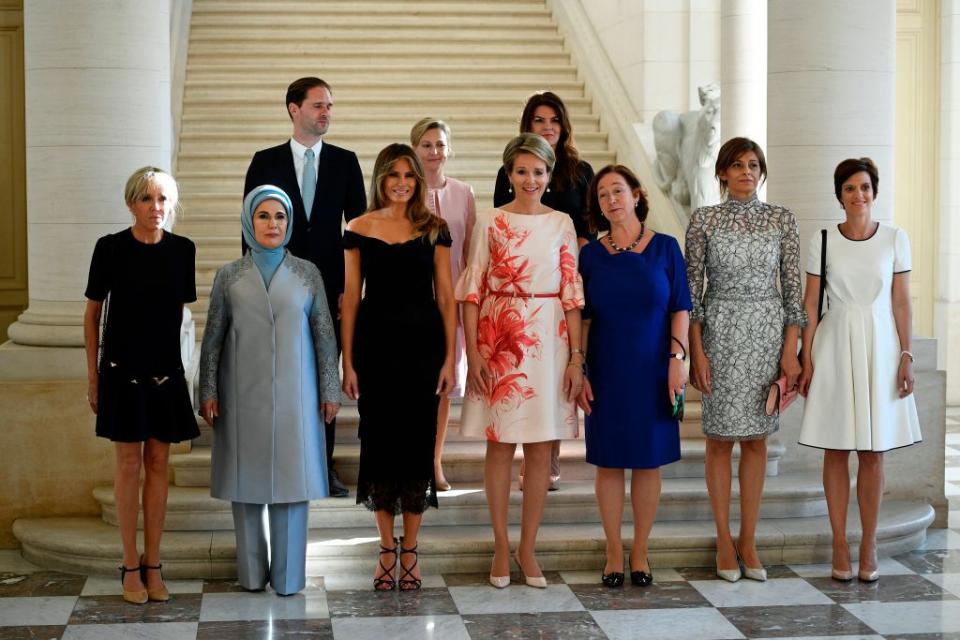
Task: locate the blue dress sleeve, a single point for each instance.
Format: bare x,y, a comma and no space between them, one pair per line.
677,273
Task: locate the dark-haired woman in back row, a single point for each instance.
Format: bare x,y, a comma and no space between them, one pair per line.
546,115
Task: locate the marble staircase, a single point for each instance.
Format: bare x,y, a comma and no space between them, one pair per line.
392,62
471,63
199,541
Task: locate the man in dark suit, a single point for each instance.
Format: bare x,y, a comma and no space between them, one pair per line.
325,184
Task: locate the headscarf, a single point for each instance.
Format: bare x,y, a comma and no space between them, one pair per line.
267,260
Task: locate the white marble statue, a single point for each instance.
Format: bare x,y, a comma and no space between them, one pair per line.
687,146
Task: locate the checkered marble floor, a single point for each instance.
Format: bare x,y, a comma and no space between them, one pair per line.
918,597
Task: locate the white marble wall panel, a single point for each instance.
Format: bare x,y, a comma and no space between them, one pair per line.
92,33
743,61
96,79
947,305
830,96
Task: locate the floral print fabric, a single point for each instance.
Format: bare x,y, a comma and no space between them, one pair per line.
522,274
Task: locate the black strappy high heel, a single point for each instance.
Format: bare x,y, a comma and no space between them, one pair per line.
387,577
411,583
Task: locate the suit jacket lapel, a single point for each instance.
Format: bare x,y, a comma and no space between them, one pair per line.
323,170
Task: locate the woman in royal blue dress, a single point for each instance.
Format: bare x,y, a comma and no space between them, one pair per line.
635,325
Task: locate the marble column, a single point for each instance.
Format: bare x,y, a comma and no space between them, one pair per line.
743,69
947,305
97,81
830,96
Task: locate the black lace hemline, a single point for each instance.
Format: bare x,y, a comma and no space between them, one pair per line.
413,496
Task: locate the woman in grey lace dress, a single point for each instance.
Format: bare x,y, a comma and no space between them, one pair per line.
268,370
743,336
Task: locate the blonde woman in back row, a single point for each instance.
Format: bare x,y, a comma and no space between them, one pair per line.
453,201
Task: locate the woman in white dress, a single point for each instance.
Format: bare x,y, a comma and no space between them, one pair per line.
522,297
857,366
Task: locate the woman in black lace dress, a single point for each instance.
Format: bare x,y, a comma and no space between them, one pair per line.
398,351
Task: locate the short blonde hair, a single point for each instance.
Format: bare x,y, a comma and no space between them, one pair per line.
528,143
426,124
145,177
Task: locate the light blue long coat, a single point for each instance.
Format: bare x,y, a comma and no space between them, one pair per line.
269,356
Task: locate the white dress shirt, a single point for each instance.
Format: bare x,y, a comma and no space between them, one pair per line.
298,158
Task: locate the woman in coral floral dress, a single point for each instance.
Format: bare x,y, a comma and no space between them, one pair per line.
522,296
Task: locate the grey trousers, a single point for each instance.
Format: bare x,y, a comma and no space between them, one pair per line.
285,564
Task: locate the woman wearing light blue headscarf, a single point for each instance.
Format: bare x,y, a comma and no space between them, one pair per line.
268,368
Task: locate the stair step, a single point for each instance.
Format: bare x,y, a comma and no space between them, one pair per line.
197,152
463,462
241,47
256,89
341,74
346,122
280,60
406,107
91,546
501,9
682,499
358,19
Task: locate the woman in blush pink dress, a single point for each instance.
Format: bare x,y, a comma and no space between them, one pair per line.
453,201
522,297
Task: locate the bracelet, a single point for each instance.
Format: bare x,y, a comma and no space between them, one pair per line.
906,353
682,347
580,351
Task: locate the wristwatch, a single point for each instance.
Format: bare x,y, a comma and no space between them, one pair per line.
675,356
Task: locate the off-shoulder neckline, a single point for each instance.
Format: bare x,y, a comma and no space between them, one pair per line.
382,241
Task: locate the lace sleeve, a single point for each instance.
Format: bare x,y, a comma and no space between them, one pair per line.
696,256
793,311
324,340
218,320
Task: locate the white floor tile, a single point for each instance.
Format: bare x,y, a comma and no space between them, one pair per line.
24,612
909,617
750,593
140,631
949,581
407,628
887,567
666,624
263,606
515,599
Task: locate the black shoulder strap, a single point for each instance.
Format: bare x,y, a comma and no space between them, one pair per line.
823,272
